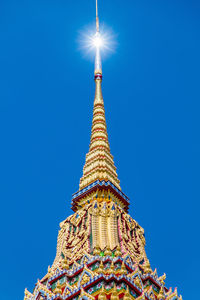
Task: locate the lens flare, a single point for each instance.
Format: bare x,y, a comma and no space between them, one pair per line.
89,40
98,41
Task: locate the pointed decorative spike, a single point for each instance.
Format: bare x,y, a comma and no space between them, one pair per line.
147,267
112,267
97,17
137,281
161,295
96,251
118,251
99,163
127,295
162,278
114,295
107,252
58,289
102,295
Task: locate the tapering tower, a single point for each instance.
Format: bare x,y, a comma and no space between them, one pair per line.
100,248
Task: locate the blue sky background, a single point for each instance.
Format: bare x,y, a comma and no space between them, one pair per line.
151,94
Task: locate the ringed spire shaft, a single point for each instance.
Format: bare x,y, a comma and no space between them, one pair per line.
99,164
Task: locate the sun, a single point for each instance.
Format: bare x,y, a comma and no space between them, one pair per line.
97,40
89,40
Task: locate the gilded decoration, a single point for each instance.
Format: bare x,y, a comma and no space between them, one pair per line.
100,251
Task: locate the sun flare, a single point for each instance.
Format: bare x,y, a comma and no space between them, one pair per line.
98,41
89,41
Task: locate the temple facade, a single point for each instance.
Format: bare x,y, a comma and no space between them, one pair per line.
100,247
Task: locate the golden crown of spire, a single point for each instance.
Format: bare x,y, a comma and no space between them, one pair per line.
99,161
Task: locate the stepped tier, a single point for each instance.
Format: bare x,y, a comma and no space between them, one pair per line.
92,279
100,255
99,164
97,228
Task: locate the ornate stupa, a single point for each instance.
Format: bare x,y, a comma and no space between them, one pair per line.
100,248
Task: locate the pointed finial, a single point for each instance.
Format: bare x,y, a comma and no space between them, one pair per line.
114,295
161,295
97,42
99,163
162,278
112,266
127,294
102,295
97,17
96,251
101,268
118,251
98,65
107,251
137,281
58,289
147,267
65,264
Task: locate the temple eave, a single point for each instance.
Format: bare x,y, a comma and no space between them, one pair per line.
79,199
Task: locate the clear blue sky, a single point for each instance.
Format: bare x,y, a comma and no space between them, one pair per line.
151,94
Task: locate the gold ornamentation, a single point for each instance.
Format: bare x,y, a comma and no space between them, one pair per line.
85,279
107,252
101,268
147,267
127,295
58,289
155,273
96,251
114,295
162,278
27,294
102,295
101,223
111,269
65,264
84,293
99,162
137,282
118,251
161,295
123,269
50,273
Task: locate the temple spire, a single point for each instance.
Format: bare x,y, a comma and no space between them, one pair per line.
97,17
97,42
99,161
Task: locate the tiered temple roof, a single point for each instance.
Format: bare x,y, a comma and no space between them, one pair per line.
100,248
